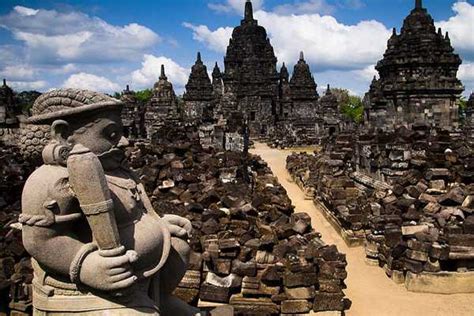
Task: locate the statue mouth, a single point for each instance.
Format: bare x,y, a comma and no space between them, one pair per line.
114,154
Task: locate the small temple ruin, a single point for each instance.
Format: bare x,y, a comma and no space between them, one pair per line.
8,114
163,105
199,95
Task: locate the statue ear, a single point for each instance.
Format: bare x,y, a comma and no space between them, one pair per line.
60,131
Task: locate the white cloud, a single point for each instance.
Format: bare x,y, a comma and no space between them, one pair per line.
216,40
367,73
305,7
19,72
461,27
466,72
91,82
55,37
466,75
25,11
326,42
27,85
146,76
234,6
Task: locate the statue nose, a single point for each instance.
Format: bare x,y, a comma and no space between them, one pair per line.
123,142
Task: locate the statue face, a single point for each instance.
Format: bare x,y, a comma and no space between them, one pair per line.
103,135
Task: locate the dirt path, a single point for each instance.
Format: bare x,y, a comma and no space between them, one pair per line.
371,291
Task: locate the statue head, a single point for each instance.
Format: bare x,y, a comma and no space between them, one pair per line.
80,117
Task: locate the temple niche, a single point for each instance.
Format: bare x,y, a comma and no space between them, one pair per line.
9,122
163,106
199,95
250,76
418,83
132,115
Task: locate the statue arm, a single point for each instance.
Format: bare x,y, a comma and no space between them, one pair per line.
54,249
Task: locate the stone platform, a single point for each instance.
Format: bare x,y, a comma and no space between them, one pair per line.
440,282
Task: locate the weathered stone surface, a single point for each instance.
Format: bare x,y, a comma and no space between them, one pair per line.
295,307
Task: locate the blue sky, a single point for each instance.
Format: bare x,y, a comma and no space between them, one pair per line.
104,45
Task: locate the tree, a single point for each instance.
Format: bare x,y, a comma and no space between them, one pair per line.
26,99
353,108
144,96
462,104
350,105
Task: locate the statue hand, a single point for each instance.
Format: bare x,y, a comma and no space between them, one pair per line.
108,273
178,226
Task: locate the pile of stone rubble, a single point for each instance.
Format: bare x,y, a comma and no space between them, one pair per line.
15,266
250,249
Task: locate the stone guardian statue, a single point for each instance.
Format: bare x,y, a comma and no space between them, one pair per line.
98,246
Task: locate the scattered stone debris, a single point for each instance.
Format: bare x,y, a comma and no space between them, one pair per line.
411,196
15,267
250,249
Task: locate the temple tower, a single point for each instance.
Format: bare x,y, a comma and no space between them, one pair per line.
8,114
250,76
132,116
418,83
199,95
163,105
303,90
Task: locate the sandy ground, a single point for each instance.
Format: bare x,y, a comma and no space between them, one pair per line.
371,291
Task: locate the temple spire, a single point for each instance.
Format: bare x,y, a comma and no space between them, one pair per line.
301,56
418,4
4,82
199,58
216,72
163,75
248,11
127,88
328,90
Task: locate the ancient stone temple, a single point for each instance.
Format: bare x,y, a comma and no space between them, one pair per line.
303,90
132,115
250,76
297,106
418,82
163,105
330,120
8,113
199,95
